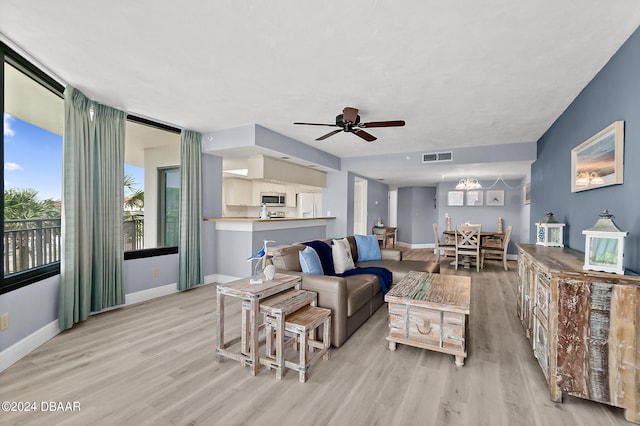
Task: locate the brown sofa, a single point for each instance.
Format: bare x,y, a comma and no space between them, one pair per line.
352,299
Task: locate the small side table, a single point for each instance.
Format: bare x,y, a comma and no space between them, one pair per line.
253,293
278,307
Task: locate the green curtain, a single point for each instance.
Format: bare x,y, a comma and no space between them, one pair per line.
93,174
189,252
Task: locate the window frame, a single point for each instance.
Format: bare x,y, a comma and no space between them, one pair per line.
156,251
23,278
162,204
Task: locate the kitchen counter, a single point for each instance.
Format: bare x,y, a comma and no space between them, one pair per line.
253,219
238,237
255,224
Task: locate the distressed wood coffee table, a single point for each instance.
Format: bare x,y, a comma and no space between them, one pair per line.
430,311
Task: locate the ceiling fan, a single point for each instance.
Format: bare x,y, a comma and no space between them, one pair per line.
349,121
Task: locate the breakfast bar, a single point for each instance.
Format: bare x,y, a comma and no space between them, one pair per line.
237,238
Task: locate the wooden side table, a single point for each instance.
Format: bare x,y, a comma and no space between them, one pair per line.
277,308
252,293
385,234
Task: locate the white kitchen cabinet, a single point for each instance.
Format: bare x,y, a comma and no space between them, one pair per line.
237,192
291,200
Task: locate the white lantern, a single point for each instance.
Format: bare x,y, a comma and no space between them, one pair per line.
549,232
604,247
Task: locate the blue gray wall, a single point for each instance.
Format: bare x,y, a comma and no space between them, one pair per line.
211,207
377,203
511,213
30,308
614,94
416,213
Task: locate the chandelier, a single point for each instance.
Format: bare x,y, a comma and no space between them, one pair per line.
468,183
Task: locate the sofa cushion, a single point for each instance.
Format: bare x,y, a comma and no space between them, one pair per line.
287,258
360,289
341,253
310,262
401,268
368,248
324,253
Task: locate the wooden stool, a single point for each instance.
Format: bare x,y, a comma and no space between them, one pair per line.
302,324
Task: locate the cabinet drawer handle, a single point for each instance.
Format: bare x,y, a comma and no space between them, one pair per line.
422,332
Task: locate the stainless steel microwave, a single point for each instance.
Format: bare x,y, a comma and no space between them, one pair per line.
272,199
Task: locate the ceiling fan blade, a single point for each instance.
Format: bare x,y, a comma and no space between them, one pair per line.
364,135
393,123
329,134
350,114
318,124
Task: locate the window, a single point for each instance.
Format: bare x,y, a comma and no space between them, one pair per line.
169,197
152,187
33,120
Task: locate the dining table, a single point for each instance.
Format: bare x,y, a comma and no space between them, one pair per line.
487,239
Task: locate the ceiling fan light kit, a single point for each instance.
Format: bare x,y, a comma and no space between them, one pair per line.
349,121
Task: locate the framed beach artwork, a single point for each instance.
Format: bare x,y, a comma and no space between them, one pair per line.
455,198
474,198
494,197
527,193
598,161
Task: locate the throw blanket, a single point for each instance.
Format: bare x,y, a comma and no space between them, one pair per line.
384,276
324,253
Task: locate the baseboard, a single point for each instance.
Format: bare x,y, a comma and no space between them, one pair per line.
415,246
19,350
152,293
223,279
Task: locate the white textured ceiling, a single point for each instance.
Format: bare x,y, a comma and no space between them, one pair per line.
460,73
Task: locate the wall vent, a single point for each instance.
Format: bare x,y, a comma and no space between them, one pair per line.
437,156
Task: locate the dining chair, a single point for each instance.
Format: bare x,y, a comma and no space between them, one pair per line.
500,250
468,244
442,247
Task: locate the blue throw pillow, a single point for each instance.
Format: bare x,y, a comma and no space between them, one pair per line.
324,253
310,262
368,248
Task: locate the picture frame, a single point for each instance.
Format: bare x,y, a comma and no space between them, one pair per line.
475,198
455,198
494,197
598,161
527,193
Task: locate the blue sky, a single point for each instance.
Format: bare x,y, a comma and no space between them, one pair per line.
33,159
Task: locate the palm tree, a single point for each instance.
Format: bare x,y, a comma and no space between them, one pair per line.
25,204
135,200
25,220
133,214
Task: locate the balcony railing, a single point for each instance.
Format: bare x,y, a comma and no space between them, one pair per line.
31,243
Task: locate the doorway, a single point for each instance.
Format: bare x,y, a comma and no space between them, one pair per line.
360,206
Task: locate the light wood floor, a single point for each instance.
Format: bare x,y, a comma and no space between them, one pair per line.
154,364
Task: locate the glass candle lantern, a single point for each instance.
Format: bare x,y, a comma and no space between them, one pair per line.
604,246
549,232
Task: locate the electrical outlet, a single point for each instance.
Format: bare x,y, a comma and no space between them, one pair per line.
4,321
154,272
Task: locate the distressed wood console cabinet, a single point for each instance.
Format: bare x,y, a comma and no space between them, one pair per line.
583,326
